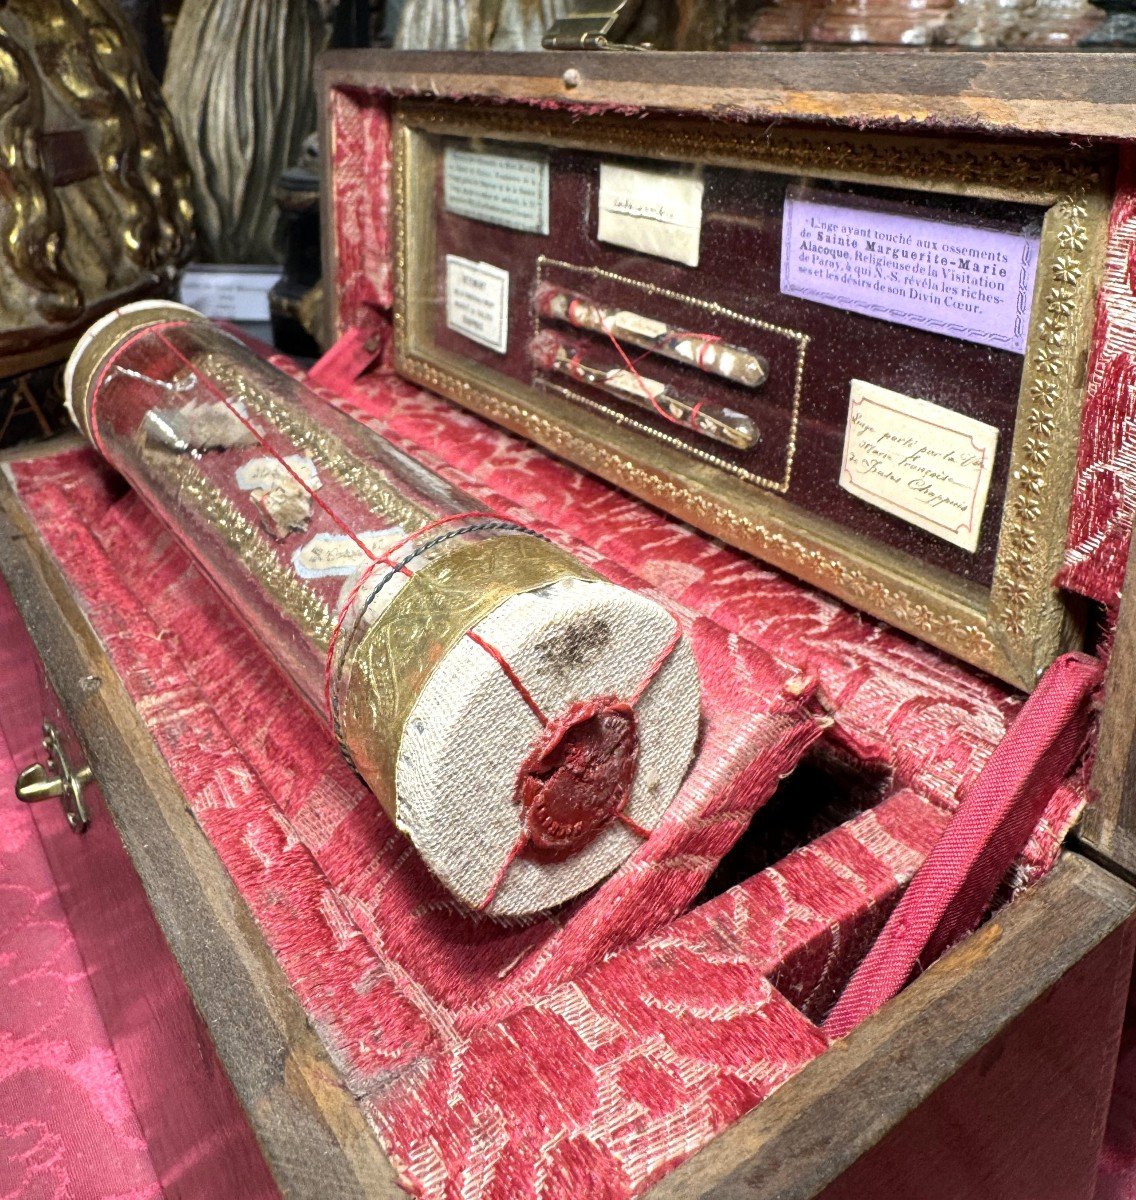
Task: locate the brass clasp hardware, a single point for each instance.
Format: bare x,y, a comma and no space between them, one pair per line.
598,29
39,782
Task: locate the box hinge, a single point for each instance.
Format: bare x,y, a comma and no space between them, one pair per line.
600,28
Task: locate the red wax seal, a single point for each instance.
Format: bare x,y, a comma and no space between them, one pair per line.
578,777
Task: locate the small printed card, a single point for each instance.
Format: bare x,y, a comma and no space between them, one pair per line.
964,281
919,461
502,189
656,210
232,293
477,301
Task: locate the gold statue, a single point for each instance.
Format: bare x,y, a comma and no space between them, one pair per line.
94,197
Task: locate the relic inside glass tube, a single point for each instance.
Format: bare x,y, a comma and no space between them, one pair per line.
525,722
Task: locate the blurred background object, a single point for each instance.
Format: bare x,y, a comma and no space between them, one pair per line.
295,303
521,24
239,87
958,24
94,197
1118,27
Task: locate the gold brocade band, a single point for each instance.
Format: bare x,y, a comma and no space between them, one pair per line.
384,674
355,474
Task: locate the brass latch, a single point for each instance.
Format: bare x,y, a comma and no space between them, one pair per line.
599,28
40,782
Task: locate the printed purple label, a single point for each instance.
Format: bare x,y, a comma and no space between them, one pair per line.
960,280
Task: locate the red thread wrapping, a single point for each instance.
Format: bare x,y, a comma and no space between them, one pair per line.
578,777
220,394
639,380
385,559
707,340
510,674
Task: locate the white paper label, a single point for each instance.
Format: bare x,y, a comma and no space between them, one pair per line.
635,385
263,474
911,268
228,293
477,301
503,189
329,554
919,461
656,210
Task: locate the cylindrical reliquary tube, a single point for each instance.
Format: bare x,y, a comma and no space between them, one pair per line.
525,722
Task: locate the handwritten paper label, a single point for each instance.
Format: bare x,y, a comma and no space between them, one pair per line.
329,554
477,301
961,280
503,189
919,461
656,210
263,474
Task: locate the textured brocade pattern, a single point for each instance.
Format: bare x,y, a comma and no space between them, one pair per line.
1104,495
922,720
397,979
361,131
424,1018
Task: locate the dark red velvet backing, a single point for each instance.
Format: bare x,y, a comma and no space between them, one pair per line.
739,269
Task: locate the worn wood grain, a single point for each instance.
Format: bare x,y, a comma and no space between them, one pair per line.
1109,824
1073,94
1024,1118
844,1103
310,1128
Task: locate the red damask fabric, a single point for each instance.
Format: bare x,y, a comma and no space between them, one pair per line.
1104,496
397,977
954,887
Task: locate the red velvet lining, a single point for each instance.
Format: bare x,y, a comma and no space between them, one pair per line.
388,970
588,1052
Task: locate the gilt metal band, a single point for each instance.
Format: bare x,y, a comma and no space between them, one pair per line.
384,674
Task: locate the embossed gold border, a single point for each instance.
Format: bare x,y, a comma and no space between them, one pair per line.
1012,629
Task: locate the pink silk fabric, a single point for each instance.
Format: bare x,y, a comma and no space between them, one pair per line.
68,1130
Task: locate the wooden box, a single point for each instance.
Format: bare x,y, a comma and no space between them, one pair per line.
990,1074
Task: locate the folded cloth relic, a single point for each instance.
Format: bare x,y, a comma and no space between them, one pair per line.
523,721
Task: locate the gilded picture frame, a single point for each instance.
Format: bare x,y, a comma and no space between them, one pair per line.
1012,628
